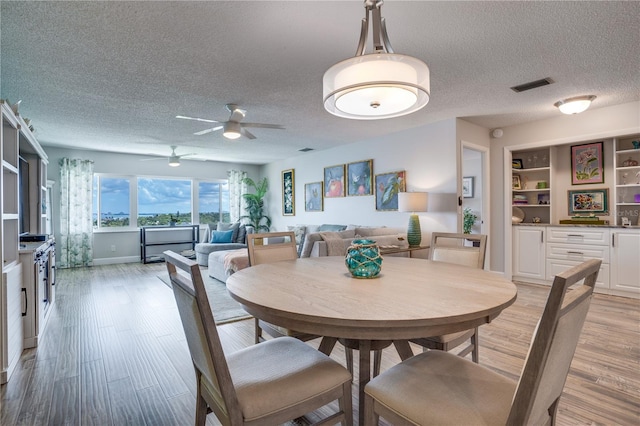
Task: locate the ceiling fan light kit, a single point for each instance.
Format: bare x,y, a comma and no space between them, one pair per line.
378,85
232,130
174,161
574,105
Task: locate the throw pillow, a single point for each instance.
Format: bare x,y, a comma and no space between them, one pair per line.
230,226
327,227
222,237
298,231
242,235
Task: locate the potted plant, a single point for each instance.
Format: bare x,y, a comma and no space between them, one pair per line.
255,216
468,220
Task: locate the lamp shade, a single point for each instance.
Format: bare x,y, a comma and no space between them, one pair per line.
413,201
574,105
375,86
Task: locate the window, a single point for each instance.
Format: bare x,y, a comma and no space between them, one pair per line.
111,197
213,202
159,201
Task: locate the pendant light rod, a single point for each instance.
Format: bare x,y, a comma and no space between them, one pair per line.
381,41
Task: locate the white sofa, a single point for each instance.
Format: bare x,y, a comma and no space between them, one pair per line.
314,244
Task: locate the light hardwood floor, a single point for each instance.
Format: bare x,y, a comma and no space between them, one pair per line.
114,353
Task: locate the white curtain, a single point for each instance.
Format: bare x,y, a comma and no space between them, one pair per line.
76,228
236,188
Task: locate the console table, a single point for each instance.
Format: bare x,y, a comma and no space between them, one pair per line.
156,239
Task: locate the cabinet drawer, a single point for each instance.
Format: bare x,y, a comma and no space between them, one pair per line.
577,253
557,266
578,236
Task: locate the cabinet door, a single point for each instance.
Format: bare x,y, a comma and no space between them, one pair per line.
528,258
625,267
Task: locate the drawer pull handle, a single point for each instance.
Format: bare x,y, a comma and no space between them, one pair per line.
575,235
576,252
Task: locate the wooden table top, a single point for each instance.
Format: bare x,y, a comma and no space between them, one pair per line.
411,298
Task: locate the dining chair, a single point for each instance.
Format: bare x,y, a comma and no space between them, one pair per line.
454,248
271,383
273,247
438,387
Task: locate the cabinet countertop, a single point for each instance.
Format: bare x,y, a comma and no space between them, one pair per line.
572,225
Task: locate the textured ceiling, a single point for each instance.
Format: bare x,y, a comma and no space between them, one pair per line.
112,76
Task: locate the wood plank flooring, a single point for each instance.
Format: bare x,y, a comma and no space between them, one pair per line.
114,353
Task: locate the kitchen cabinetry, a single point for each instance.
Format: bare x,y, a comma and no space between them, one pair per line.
627,180
529,253
531,184
10,321
625,261
154,240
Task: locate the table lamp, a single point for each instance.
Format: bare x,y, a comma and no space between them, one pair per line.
413,202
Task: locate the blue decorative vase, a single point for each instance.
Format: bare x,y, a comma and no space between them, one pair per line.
636,144
363,259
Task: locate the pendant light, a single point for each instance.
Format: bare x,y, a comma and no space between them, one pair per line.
382,84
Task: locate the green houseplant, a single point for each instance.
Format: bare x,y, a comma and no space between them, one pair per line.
468,220
255,205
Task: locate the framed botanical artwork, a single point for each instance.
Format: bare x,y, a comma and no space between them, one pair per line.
359,175
387,187
587,164
467,187
334,181
313,197
515,182
590,201
288,193
516,163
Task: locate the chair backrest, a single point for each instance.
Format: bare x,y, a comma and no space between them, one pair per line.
271,247
451,248
553,345
201,333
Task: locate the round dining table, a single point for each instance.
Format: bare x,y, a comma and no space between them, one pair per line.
410,298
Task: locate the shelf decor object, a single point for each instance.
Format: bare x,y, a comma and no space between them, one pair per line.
363,259
594,201
382,84
413,202
587,164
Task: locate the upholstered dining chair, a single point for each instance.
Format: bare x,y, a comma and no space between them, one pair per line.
273,247
270,383
454,248
438,387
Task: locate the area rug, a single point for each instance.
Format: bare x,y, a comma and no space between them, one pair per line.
225,309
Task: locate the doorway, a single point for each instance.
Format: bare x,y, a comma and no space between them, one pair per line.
475,188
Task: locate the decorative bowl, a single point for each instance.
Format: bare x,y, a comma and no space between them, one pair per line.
363,259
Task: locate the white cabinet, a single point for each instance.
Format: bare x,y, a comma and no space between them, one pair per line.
10,321
529,253
570,246
625,264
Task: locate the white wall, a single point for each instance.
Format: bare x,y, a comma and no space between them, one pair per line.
593,124
127,243
428,154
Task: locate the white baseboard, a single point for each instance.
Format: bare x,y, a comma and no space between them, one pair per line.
115,260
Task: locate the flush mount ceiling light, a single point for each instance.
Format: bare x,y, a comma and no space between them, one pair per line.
574,105
382,84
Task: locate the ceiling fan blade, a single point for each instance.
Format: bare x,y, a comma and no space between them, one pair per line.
204,132
153,159
245,132
197,119
187,155
237,114
264,126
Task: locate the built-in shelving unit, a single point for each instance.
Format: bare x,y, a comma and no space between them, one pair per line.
627,180
531,184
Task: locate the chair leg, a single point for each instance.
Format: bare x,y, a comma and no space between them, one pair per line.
475,356
258,331
377,360
371,418
344,402
201,404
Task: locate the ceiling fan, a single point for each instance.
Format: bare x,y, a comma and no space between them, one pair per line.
234,127
174,159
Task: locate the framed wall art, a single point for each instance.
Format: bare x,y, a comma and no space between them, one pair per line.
334,181
516,183
587,164
359,175
313,197
516,163
590,201
467,187
387,187
288,193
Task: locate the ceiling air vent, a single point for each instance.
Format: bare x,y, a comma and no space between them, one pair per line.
532,85
305,149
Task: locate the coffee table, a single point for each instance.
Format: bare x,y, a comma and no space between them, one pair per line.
411,298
